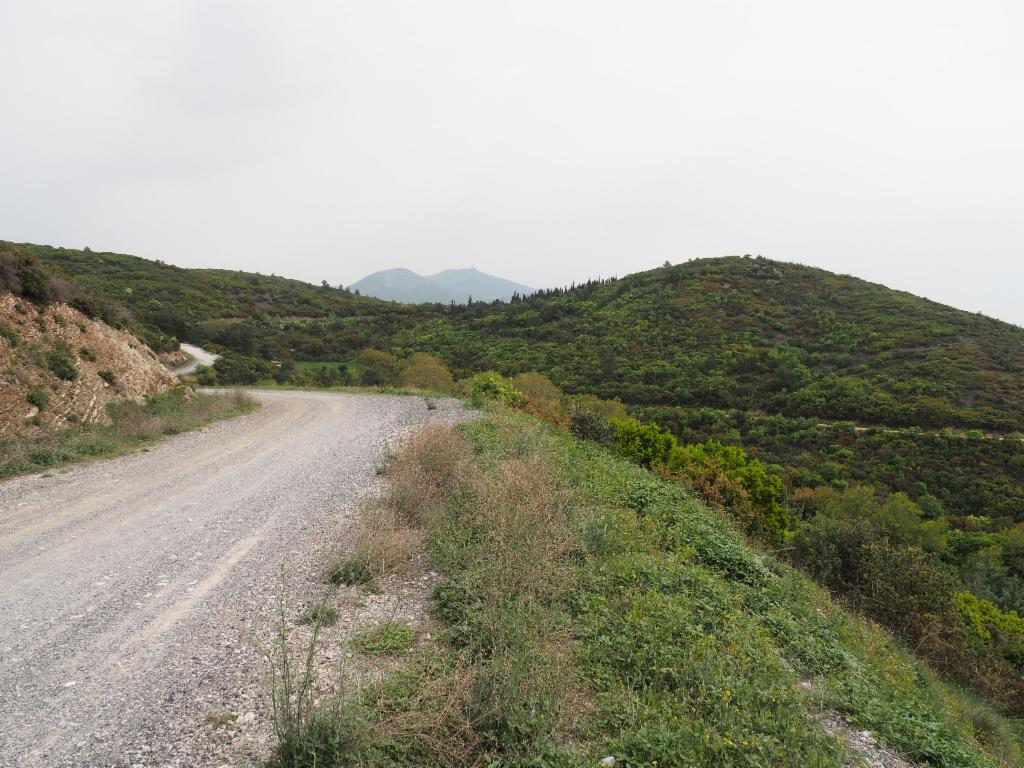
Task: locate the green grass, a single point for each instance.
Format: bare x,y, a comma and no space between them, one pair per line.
218,720
132,426
389,638
350,573
321,614
591,609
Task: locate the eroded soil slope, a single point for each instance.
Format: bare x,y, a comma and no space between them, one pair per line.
59,367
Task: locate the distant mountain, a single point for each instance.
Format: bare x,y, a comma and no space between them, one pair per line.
456,285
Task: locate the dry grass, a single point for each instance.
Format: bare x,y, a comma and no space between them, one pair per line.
503,537
131,426
524,520
435,464
385,543
494,687
429,717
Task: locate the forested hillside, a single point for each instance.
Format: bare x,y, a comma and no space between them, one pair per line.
253,314
754,334
730,332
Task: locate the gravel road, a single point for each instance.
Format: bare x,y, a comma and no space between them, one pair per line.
198,355
136,594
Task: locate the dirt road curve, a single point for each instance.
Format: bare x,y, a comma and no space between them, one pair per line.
198,355
135,593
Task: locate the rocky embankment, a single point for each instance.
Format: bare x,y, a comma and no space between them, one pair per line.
59,367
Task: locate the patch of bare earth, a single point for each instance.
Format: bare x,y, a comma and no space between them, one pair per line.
863,744
131,370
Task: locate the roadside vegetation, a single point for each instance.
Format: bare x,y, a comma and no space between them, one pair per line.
592,609
132,426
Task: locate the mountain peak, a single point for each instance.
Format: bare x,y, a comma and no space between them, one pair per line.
458,285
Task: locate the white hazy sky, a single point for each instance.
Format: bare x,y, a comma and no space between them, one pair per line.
542,140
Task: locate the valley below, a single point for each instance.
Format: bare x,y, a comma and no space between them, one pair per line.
139,594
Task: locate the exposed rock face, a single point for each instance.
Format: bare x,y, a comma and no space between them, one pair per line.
72,365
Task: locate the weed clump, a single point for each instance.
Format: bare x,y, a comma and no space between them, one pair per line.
321,615
389,638
350,573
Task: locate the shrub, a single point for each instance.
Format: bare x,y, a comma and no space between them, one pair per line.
61,290
11,335
21,274
493,386
378,368
350,573
87,354
542,396
610,409
240,369
588,424
61,363
330,375
107,376
385,543
97,307
720,471
206,376
423,371
643,443
283,373
38,397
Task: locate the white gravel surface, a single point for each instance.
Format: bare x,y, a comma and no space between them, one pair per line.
137,595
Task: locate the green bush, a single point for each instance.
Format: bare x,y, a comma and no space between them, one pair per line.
588,424
12,336
389,638
108,376
61,363
321,614
87,354
240,369
643,443
769,518
38,397
331,375
351,573
422,371
378,368
21,274
495,387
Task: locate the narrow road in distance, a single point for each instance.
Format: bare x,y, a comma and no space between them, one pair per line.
135,592
198,355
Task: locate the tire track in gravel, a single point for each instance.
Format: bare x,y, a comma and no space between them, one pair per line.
135,592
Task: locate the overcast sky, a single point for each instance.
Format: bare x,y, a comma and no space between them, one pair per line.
542,140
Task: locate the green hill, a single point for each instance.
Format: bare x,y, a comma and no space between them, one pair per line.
730,332
753,334
253,314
